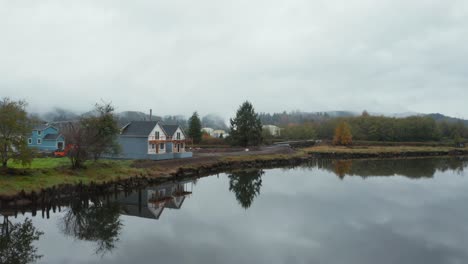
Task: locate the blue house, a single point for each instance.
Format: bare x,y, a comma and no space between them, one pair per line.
152,140
46,138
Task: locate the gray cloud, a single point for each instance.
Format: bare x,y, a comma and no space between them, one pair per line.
210,55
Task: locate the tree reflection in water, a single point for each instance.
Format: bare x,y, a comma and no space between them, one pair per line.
94,221
342,167
246,186
16,242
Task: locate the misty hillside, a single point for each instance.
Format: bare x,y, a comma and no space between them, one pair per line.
448,119
215,121
60,116
297,117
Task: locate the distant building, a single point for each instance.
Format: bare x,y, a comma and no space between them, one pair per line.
207,130
152,140
274,130
46,138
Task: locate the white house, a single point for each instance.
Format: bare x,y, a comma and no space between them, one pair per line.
207,130
274,130
152,140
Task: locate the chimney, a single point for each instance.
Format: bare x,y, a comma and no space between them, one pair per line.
151,113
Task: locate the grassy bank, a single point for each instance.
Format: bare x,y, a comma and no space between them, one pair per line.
48,172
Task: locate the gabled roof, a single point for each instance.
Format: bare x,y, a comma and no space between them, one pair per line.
138,128
144,128
170,129
51,136
172,204
41,127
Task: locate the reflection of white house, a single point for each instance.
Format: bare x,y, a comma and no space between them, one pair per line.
219,133
274,130
151,202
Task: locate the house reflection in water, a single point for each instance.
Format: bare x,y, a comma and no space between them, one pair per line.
151,202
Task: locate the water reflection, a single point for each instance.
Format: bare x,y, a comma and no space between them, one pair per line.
300,216
151,202
342,167
16,242
411,168
95,221
246,186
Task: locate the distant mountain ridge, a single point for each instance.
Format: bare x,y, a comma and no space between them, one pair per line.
436,116
448,119
298,117
217,122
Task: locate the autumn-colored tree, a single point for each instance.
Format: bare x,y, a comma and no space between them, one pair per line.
343,135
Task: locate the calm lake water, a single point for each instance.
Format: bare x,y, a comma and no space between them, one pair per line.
391,211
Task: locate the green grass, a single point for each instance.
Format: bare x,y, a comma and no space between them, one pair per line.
48,172
42,163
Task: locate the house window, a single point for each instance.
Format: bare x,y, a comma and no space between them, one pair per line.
156,135
29,141
178,135
162,192
39,132
161,146
153,146
39,141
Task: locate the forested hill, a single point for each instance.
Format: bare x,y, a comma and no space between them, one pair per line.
284,119
448,119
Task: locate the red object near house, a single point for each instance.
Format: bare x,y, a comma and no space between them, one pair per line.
63,152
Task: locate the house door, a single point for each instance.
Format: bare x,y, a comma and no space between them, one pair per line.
60,145
178,147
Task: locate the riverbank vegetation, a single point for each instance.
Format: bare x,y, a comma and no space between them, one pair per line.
371,128
15,126
48,172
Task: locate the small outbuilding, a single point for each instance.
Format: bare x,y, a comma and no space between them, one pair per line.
273,130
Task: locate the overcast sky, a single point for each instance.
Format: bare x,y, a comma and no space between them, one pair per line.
178,56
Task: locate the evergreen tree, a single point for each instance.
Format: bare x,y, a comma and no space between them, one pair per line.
246,127
343,135
194,130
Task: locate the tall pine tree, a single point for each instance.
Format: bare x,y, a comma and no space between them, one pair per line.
194,130
246,127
